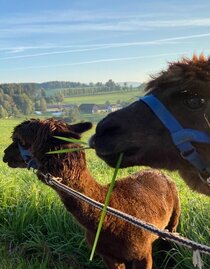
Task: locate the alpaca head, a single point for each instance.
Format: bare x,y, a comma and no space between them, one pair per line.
145,139
184,89
37,136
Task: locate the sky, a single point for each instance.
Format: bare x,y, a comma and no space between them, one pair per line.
94,40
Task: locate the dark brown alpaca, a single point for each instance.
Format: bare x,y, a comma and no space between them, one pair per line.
147,195
184,89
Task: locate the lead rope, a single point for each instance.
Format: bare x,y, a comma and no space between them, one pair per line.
196,247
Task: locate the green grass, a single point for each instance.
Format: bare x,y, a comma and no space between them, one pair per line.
100,98
37,232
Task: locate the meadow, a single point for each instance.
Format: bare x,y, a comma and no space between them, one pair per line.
36,231
111,97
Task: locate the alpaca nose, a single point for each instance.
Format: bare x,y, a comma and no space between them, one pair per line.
91,142
107,126
102,140
4,159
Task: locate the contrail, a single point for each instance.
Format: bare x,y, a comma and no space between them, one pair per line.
55,52
106,46
103,60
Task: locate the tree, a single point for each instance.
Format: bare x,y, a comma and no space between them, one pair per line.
3,112
28,106
110,84
59,97
73,114
7,106
24,104
43,105
15,111
125,86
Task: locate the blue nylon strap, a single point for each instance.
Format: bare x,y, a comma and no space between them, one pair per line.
25,153
32,164
190,135
27,157
162,112
181,137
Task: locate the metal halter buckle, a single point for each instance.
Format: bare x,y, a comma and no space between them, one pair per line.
205,180
47,178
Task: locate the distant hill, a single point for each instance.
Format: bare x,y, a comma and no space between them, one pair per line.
50,85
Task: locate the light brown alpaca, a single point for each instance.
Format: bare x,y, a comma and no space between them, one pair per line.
148,195
184,89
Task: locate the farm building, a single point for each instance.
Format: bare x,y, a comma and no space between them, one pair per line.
94,109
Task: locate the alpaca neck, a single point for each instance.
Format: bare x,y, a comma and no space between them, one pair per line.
83,182
74,174
86,184
72,170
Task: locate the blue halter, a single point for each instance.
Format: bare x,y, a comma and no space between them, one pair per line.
181,137
27,157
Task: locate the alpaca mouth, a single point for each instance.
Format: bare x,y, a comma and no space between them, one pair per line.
112,158
15,164
130,152
126,153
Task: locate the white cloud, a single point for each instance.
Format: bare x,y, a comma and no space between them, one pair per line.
68,21
73,16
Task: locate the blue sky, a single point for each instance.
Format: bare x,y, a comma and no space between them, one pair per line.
95,40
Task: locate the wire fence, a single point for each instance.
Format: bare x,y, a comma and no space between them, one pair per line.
197,248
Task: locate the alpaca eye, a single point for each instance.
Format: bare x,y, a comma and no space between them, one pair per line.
17,141
194,102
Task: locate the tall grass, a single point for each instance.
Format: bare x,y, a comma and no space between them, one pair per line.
36,231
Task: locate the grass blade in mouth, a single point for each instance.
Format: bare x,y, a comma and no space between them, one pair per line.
67,150
71,140
105,205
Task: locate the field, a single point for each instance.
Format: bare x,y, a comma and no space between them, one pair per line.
36,232
129,96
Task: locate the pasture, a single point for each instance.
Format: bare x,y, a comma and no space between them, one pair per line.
37,232
112,97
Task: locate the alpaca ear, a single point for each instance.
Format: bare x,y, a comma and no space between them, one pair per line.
56,141
80,127
70,134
